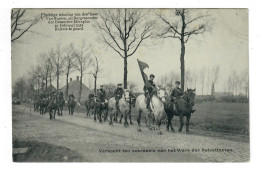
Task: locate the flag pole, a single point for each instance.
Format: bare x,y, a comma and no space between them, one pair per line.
144,82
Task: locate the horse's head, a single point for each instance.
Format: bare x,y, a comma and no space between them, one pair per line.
126,95
190,96
161,95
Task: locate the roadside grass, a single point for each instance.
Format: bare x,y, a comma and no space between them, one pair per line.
44,152
211,116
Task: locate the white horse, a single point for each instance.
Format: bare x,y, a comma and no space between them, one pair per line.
157,107
124,107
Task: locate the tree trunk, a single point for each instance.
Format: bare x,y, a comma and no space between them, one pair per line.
80,88
46,83
50,79
182,64
67,86
125,73
95,85
58,82
125,58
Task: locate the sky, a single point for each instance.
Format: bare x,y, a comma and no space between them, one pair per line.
225,46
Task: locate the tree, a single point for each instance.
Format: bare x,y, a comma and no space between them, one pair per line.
58,63
82,62
124,31
19,88
69,64
214,77
185,24
202,79
46,68
96,71
21,24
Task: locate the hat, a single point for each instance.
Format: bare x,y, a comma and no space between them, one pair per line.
177,82
119,84
152,76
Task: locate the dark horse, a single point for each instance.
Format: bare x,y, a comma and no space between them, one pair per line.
184,108
61,103
71,106
100,108
53,107
90,106
43,105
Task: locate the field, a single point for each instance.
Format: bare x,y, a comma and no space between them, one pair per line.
217,117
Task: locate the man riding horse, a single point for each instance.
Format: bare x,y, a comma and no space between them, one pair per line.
149,89
176,94
118,94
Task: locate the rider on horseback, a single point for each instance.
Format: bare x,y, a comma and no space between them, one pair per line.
118,94
101,94
176,94
149,89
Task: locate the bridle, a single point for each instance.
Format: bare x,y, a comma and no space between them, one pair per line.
185,98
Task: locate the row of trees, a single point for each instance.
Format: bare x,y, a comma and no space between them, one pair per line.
122,30
62,61
205,79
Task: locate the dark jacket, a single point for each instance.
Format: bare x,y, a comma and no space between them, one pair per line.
149,87
118,93
102,95
176,92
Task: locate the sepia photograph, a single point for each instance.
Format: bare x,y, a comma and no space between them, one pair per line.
130,85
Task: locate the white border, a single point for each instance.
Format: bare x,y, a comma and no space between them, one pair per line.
5,83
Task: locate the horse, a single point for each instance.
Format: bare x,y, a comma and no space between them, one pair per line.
124,106
184,108
43,106
132,104
61,103
100,107
53,107
157,107
71,106
36,105
90,106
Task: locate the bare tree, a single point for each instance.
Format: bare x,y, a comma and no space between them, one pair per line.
184,24
46,68
96,70
214,77
124,30
19,88
202,79
245,82
69,64
58,63
82,62
20,23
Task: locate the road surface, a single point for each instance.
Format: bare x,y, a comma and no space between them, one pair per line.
103,143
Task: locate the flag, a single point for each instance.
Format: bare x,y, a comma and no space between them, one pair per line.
142,66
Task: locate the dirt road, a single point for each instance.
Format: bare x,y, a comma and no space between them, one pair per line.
103,143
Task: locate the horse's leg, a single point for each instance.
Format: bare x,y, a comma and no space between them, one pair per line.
188,122
172,129
100,115
159,121
168,123
126,122
139,120
181,122
111,113
120,121
130,118
50,114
